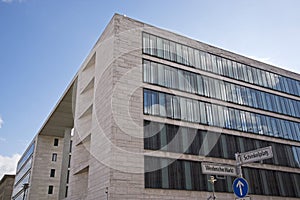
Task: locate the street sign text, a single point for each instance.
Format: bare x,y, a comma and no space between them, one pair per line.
256,155
218,169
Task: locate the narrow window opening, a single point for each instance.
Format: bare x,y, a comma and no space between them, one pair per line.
52,173
50,189
54,157
56,142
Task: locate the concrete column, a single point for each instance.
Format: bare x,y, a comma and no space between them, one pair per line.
65,162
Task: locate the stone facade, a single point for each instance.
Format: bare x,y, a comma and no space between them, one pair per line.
6,186
42,165
115,136
107,109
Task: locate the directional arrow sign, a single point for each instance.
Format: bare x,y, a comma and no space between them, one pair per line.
218,169
240,187
256,155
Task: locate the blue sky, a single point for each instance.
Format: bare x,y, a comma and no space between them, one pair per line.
43,43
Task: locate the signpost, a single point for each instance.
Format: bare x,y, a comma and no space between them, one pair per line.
218,169
240,187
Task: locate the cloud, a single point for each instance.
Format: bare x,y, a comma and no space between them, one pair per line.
8,165
7,1
2,139
1,122
11,1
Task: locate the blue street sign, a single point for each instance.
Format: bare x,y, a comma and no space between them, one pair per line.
240,187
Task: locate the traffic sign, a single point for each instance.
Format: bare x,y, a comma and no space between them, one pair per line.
244,198
240,187
256,155
218,169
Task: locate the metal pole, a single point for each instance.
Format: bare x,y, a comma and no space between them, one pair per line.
238,165
25,187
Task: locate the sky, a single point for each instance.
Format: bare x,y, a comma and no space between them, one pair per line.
44,42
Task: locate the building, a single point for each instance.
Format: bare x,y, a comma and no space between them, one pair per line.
45,165
6,186
148,106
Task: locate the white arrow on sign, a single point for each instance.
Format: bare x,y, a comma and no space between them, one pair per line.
240,185
256,155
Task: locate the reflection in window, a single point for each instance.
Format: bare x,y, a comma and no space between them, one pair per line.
172,138
25,156
187,175
54,157
179,79
181,108
182,54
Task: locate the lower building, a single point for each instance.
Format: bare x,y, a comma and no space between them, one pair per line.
148,107
45,165
6,186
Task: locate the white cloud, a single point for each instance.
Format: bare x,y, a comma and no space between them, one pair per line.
8,165
11,1
2,139
6,1
1,122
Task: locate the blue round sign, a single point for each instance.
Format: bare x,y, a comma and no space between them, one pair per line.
240,187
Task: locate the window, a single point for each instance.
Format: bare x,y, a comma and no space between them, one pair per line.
50,189
182,108
152,45
178,139
70,150
66,193
54,157
146,39
160,52
182,54
170,77
68,176
178,53
69,163
173,51
56,142
26,156
186,175
52,173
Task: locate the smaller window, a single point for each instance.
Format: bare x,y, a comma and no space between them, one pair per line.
70,150
68,176
50,189
69,164
54,157
66,194
55,142
52,173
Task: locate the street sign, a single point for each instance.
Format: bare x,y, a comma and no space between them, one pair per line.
240,187
244,198
218,169
256,155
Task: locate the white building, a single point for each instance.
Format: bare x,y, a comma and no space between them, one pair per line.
148,106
